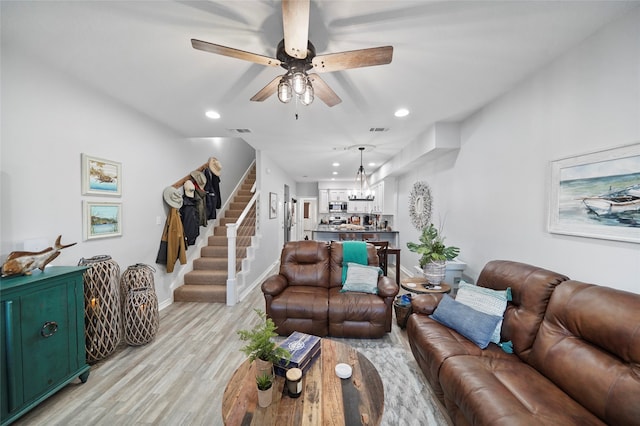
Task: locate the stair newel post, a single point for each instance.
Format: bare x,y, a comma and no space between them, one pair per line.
232,290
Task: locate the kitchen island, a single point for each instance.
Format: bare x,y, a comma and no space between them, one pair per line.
339,233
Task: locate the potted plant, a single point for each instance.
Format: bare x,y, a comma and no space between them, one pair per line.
434,253
260,345
265,389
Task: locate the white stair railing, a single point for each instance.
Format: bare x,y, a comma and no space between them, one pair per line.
248,215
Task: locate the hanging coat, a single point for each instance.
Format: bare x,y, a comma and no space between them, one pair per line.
172,244
190,220
212,187
200,197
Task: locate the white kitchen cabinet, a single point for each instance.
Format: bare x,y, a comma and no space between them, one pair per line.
338,195
359,206
385,197
323,204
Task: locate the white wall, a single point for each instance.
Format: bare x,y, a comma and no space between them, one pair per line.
494,191
48,120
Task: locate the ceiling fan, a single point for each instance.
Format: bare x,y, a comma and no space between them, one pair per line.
296,54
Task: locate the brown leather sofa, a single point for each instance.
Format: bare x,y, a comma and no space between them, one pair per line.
305,296
576,357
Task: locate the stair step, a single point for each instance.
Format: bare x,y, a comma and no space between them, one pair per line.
221,241
206,278
199,293
221,251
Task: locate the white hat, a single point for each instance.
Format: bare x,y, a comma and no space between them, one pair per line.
189,188
173,197
199,178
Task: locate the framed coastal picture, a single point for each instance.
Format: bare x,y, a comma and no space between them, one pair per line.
100,176
597,195
102,220
273,205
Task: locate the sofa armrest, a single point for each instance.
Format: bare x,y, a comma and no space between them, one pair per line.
274,285
387,287
425,303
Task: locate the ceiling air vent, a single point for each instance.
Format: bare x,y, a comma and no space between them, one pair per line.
239,130
379,129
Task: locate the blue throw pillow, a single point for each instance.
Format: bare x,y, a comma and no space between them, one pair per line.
474,325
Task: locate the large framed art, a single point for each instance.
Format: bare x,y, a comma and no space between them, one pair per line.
597,195
101,177
102,220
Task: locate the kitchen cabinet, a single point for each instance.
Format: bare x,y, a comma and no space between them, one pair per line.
338,195
42,335
385,197
323,204
359,206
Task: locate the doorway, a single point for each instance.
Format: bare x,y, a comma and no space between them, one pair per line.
307,217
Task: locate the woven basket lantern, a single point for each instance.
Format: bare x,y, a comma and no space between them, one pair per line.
139,304
101,306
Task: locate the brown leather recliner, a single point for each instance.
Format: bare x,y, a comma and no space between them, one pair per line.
305,296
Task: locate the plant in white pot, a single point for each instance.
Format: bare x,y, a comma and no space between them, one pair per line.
265,389
261,347
434,254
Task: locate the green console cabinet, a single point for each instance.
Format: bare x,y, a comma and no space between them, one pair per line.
42,337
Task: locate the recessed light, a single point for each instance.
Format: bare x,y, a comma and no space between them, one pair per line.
212,114
371,164
402,112
334,173
335,164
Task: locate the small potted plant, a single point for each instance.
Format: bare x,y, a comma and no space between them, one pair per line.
265,389
434,254
260,345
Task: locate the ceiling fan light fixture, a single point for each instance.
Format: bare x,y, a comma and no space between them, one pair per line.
299,82
307,97
285,93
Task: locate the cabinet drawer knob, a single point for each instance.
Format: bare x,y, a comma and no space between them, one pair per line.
49,329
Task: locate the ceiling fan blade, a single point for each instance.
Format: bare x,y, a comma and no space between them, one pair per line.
353,59
234,53
323,91
267,90
295,22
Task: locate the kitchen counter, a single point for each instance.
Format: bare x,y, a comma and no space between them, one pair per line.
333,233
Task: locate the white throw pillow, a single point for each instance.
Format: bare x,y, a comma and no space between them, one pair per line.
361,278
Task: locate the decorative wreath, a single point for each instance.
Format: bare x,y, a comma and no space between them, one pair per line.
420,205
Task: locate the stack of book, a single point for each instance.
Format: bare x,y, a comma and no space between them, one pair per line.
304,348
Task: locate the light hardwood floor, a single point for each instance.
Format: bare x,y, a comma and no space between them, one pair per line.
177,379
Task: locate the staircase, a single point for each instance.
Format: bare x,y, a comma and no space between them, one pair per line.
208,280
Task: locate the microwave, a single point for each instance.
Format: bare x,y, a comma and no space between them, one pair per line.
337,207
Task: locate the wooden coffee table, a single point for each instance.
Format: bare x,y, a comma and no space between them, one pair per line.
325,400
417,285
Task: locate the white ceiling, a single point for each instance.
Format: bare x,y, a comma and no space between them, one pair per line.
449,59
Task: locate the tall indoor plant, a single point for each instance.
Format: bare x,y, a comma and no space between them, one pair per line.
434,253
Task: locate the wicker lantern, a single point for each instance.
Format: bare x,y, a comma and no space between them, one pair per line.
139,304
101,306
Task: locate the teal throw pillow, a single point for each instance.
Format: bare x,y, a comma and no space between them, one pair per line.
362,279
474,325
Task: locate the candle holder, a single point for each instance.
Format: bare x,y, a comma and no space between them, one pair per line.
101,306
140,304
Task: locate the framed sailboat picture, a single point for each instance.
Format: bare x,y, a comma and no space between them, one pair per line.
100,176
597,195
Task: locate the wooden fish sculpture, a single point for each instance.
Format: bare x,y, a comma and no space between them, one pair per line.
23,262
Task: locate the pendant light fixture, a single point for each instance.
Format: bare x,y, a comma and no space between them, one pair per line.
362,185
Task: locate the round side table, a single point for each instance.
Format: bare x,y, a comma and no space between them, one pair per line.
419,285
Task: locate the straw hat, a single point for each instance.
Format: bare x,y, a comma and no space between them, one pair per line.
215,166
173,197
199,178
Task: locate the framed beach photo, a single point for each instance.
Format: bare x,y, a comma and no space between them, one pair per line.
597,195
101,177
102,220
